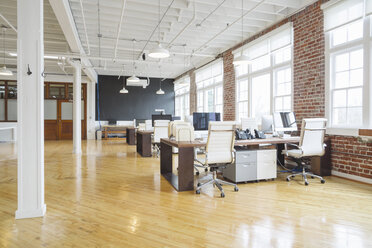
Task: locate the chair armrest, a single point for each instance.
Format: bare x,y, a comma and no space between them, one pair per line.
291,144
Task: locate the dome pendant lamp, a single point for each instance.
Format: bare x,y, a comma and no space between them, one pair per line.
159,52
242,59
3,70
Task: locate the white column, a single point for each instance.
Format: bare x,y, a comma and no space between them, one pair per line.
30,49
77,107
91,110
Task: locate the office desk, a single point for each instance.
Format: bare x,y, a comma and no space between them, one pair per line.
131,135
113,129
185,179
144,143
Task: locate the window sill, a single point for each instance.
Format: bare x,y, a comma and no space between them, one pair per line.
343,131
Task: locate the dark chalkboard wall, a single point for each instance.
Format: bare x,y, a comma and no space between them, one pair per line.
139,103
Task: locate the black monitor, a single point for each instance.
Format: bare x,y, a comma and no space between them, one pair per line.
112,122
201,120
160,117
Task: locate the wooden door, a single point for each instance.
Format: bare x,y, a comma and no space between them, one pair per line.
65,111
58,124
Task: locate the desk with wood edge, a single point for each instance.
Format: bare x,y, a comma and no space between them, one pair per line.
131,135
144,143
185,179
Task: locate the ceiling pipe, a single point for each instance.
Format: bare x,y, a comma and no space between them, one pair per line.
183,30
119,27
10,25
226,28
152,33
73,56
85,26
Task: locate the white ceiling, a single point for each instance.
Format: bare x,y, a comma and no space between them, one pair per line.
54,39
219,21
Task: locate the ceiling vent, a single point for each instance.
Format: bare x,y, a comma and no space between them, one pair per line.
142,83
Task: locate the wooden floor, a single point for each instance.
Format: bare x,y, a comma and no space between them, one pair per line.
111,197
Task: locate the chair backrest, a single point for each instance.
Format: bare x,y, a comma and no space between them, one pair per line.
141,126
220,144
184,133
177,124
312,136
160,130
249,123
148,124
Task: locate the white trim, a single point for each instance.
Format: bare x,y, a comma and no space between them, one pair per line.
329,4
352,177
342,131
40,212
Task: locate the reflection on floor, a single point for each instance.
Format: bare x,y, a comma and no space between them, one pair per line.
110,196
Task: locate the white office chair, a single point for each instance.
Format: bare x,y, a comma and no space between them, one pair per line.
148,124
141,126
160,132
311,144
219,152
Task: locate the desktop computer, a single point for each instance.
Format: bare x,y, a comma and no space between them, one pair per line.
284,122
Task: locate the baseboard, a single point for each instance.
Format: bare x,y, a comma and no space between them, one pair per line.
31,214
352,177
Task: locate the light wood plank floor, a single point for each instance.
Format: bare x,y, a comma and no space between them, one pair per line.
112,197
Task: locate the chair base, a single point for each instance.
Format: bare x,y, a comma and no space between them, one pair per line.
196,166
156,150
216,182
305,175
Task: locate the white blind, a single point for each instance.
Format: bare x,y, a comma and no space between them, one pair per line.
270,42
368,7
337,13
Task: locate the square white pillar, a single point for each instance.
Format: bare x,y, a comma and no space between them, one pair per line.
30,50
77,107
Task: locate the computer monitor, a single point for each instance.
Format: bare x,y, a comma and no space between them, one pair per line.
267,123
285,121
201,120
176,118
112,122
160,117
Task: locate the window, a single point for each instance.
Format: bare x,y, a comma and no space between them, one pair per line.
182,97
348,46
265,86
209,81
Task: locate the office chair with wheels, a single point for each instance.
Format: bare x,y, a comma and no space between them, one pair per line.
160,132
311,144
219,152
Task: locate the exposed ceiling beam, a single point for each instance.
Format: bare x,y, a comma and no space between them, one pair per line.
65,19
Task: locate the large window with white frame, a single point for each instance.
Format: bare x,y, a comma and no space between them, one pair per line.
182,97
265,85
348,55
209,84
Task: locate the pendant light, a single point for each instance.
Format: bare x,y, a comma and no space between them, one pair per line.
123,90
159,52
133,78
242,59
3,70
160,91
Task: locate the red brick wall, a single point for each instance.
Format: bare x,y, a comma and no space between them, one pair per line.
348,154
192,92
308,63
228,87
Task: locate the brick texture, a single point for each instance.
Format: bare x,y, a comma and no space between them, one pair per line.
348,154
192,92
228,87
